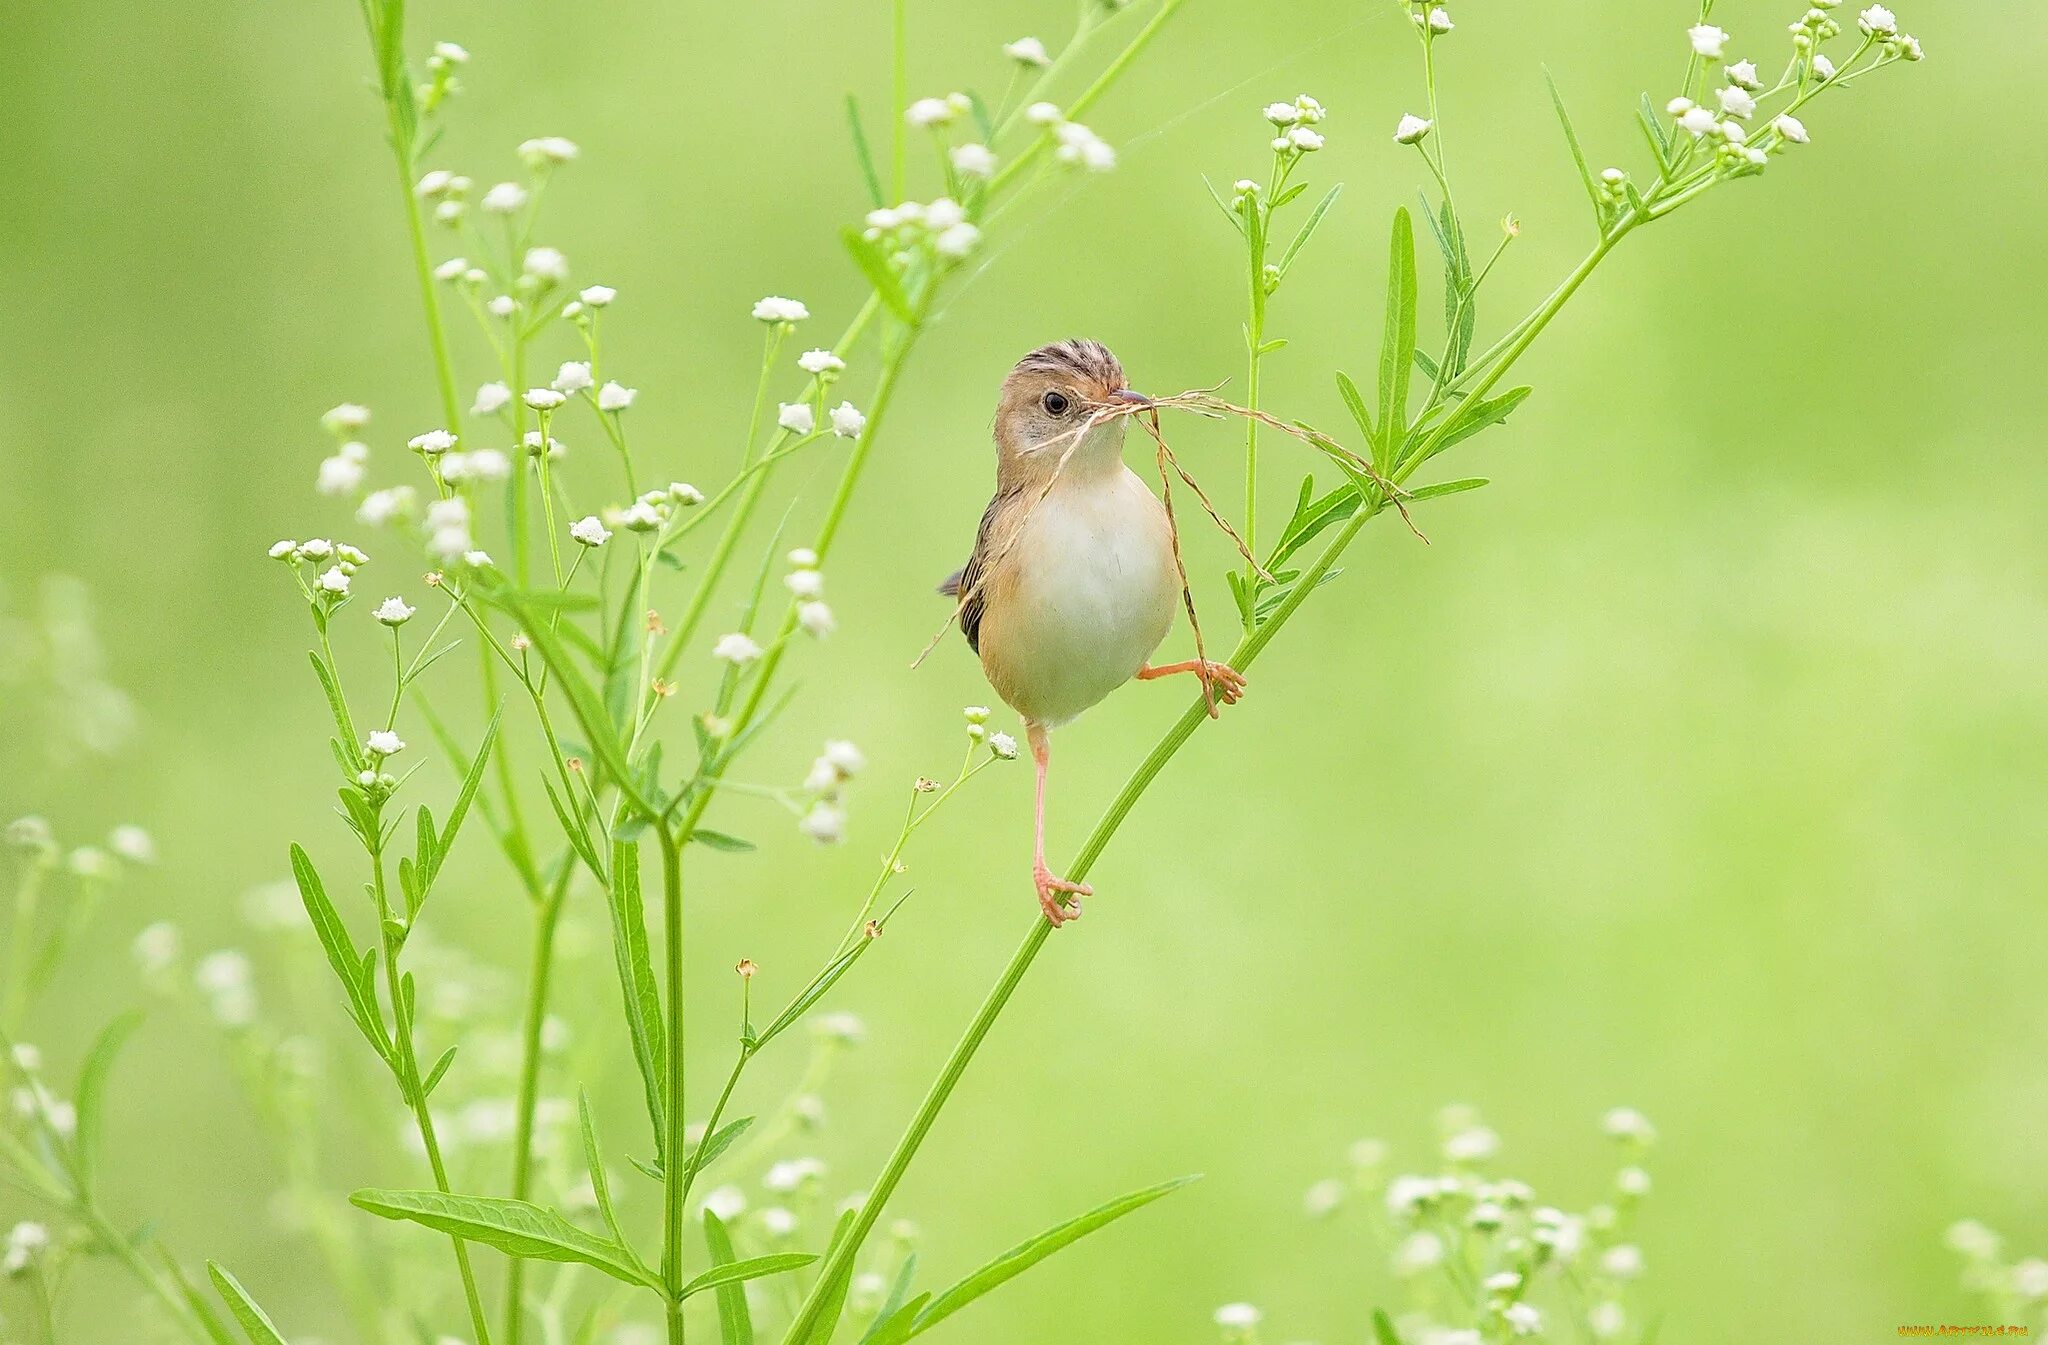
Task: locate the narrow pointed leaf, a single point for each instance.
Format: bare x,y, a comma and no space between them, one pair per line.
636,980
471,782
349,968
1397,350
1443,488
256,1323
888,285
583,698
707,1152
735,1321
753,1268
1308,228
1028,1254
514,1227
862,154
1355,402
1383,1329
1571,138
91,1096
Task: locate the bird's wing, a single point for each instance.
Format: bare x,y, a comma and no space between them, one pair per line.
970,584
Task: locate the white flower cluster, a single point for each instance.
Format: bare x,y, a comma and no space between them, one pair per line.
1511,1252
1295,123
1434,20
1001,744
942,225
776,309
449,193
227,981
335,563
649,515
806,582
1986,1272
825,820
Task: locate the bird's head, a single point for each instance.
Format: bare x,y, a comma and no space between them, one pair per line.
1052,402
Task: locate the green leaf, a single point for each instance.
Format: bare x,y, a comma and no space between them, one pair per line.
636,980
1236,222
472,781
1355,402
440,1068
90,1099
897,1326
579,840
862,154
735,1321
718,840
550,599
892,1307
1028,1254
1383,1328
1443,488
337,705
706,1153
600,1185
1653,132
753,1268
831,1293
583,698
1571,138
1473,417
1397,350
1315,218
256,1323
813,992
514,1227
349,966
888,285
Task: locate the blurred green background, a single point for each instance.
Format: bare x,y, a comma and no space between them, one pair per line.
1696,765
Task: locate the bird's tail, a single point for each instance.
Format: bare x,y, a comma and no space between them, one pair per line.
951,585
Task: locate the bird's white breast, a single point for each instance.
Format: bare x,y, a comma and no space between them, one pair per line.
1090,595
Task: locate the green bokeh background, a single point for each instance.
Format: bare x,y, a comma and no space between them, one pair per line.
1696,764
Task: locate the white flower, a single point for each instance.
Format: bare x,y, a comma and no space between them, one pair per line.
2030,1278
1973,1240
434,183
383,743
547,149
1322,1199
820,362
25,1242
477,560
805,583
1472,1145
777,1222
1698,120
1027,51
1439,21
504,198
450,53
1624,1262
315,548
1522,1319
796,417
1238,1316
590,531
573,377
824,823
132,843
282,550
1736,102
502,306
1792,129
1080,145
683,493
1678,107
641,516
1632,1182
491,398
1708,41
973,160
775,308
1607,1320
1626,1123
394,612
1742,74
1823,67
452,269
1305,140
1406,1195
727,1202
929,112
224,970
844,757
1311,111
156,948
1003,745
614,396
597,296
339,476
431,443
543,399
1878,22
381,506
27,1058
736,649
1043,114
546,264
347,416
943,213
803,558
1418,1254
847,421
815,617
1412,130
791,1173
1282,114
334,580
842,1027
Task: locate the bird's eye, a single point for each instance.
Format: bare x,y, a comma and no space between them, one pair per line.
1056,403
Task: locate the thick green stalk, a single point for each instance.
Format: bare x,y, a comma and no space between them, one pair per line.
1248,650
675,1148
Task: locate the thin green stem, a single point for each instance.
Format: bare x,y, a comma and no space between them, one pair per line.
430,299
21,944
899,85
535,1024
674,1169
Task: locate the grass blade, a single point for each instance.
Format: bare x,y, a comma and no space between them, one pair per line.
91,1095
256,1323
862,154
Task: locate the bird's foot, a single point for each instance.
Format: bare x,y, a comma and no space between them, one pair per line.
1058,898
1227,682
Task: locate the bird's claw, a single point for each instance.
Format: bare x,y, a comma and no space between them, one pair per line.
1225,681
1058,898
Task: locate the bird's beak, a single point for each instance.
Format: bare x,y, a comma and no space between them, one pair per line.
1131,395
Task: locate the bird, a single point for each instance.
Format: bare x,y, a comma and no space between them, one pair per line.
1073,580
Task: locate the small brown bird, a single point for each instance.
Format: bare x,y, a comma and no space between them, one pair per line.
1073,581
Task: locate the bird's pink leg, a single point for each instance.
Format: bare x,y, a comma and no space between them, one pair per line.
1057,909
1227,682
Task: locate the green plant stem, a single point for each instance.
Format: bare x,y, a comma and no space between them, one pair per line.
21,946
1087,98
430,299
1249,648
123,1249
899,86
674,1169
542,966
415,1094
